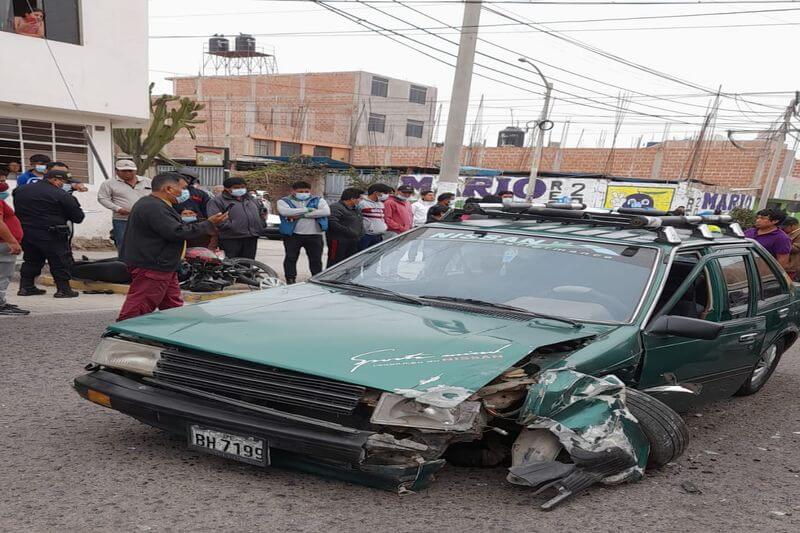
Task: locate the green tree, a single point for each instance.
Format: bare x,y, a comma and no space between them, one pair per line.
745,217
167,119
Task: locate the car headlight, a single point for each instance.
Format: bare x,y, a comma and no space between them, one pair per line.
126,355
396,410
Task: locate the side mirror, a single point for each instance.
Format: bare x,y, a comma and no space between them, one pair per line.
681,326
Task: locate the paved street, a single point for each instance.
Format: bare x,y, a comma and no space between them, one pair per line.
66,464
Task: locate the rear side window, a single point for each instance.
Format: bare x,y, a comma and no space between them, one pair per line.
737,284
771,285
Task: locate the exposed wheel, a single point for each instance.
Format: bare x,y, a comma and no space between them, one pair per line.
255,273
664,428
765,366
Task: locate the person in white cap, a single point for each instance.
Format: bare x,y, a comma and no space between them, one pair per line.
119,195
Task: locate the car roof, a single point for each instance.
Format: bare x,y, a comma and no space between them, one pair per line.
605,234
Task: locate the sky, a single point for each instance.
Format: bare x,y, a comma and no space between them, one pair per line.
743,54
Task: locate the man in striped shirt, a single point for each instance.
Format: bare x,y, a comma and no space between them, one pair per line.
371,209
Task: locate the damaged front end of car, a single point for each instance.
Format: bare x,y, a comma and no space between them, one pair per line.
560,430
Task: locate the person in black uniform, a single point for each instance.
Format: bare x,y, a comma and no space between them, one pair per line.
44,208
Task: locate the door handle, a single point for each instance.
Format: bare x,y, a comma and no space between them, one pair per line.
748,337
783,313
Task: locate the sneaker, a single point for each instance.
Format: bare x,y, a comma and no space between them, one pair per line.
8,310
30,291
66,293
290,281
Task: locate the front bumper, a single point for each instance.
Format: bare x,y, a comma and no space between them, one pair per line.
295,441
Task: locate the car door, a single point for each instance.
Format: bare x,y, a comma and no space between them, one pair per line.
774,299
712,368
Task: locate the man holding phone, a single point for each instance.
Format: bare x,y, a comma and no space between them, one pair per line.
238,236
155,239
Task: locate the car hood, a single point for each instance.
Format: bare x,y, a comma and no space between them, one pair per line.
342,335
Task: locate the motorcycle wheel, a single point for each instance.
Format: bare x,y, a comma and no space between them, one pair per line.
255,273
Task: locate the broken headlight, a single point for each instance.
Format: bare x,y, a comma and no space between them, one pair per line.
396,410
126,355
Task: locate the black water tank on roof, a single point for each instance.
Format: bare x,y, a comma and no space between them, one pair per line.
245,43
218,43
511,136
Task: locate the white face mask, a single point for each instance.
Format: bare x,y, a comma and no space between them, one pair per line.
238,192
383,197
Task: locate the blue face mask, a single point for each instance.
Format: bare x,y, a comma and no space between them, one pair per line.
41,169
3,195
67,187
302,195
183,196
238,192
189,219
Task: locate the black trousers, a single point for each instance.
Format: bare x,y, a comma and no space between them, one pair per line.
340,249
35,251
292,245
240,247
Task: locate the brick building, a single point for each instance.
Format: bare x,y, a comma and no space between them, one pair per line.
721,163
322,114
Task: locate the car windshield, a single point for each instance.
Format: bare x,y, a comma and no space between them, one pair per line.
567,278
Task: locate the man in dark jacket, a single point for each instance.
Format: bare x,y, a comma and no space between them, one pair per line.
44,208
198,198
155,238
238,236
345,226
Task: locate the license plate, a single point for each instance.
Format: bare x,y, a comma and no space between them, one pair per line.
239,447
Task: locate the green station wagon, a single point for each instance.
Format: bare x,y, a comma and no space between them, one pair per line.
555,340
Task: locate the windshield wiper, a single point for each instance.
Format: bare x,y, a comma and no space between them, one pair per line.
369,288
493,305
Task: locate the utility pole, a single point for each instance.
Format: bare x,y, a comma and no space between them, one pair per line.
538,131
459,99
778,140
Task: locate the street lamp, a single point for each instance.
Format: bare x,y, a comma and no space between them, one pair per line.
542,125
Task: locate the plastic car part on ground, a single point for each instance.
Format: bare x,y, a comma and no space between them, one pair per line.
589,418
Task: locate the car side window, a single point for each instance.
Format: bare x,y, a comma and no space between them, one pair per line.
696,301
737,286
771,285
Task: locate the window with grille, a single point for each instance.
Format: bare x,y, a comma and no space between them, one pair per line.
56,20
323,151
380,86
417,94
262,147
20,139
414,128
376,123
290,149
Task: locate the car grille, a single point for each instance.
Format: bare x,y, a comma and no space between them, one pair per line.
254,383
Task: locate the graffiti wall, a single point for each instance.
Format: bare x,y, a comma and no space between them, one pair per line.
594,192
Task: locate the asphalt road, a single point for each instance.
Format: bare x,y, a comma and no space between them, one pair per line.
68,465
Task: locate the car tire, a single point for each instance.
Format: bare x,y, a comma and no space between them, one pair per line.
767,362
664,428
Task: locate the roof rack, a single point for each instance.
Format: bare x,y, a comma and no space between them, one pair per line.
661,222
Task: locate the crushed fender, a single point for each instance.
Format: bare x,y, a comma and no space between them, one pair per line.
589,418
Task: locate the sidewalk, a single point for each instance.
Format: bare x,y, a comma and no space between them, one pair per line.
269,252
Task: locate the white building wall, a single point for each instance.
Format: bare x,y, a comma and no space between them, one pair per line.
107,75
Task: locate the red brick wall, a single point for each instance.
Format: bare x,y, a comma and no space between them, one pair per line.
240,108
720,164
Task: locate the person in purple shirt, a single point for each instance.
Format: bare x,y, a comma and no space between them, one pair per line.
768,234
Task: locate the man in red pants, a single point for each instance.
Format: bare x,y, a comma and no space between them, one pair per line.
154,242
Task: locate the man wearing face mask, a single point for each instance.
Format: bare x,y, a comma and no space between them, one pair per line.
304,218
45,208
238,236
397,211
38,168
371,208
155,239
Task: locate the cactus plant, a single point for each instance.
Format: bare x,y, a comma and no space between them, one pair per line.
168,116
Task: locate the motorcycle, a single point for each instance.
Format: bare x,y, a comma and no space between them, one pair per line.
203,270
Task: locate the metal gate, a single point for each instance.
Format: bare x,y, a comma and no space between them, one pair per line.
209,176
